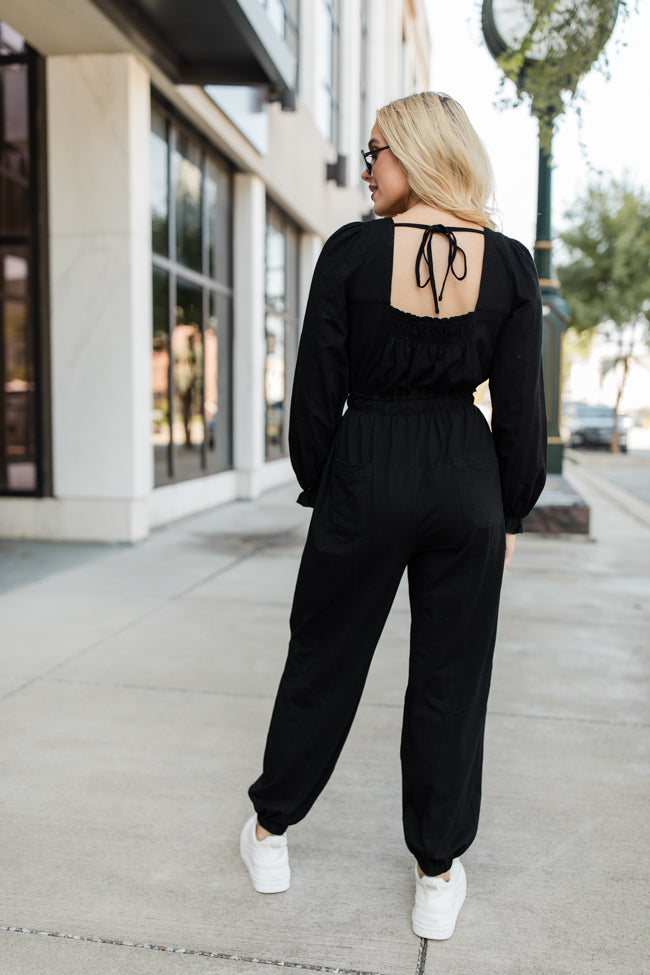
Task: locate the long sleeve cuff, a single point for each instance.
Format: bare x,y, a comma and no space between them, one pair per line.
307,498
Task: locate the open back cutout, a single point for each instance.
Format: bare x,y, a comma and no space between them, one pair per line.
456,255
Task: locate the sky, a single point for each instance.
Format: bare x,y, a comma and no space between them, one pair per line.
615,132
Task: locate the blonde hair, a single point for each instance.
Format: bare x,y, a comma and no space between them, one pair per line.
445,162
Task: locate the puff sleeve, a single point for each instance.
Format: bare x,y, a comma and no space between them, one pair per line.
517,393
321,382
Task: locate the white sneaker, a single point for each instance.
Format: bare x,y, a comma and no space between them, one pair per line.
438,903
267,861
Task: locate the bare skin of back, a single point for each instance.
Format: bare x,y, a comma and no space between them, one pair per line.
460,297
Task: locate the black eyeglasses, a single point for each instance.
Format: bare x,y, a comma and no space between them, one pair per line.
369,157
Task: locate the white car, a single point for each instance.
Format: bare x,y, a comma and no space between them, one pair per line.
592,425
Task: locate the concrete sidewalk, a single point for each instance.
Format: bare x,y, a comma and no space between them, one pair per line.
135,689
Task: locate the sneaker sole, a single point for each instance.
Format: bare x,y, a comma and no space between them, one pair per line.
423,927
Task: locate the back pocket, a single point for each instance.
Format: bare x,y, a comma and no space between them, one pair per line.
479,488
349,497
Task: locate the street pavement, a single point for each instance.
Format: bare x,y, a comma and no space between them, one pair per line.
136,684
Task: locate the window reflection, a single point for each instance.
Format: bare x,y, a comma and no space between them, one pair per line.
211,378
159,170
275,267
19,406
14,150
187,357
218,391
218,220
187,378
281,326
187,186
161,431
274,385
18,435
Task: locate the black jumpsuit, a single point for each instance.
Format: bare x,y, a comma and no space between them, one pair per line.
408,477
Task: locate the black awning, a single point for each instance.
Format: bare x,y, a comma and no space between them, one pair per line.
207,42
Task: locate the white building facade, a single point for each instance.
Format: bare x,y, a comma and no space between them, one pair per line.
166,182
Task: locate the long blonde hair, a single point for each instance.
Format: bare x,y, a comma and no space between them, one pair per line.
445,162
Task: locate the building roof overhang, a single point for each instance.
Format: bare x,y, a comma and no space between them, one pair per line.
218,42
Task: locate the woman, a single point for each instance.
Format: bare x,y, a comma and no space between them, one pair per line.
406,317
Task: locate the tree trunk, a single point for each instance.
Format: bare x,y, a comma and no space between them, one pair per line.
614,445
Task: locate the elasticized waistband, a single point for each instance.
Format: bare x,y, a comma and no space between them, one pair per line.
413,403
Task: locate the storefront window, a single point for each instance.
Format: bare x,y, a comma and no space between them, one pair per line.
191,218
218,385
17,356
20,447
187,378
159,175
187,188
217,216
281,327
161,433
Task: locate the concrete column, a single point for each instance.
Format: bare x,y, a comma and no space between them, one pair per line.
249,341
100,264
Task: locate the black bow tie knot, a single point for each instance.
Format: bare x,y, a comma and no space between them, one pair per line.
425,254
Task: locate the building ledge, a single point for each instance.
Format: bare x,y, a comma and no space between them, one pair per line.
227,43
559,511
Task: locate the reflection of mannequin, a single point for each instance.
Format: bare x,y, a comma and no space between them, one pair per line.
185,383
210,379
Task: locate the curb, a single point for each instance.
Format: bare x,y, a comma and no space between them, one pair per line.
628,502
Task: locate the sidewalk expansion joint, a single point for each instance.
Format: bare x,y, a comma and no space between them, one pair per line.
199,952
568,719
422,957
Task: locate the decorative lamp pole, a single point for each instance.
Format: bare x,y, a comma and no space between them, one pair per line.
545,47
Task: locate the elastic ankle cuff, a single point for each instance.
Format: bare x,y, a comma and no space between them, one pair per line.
271,826
433,868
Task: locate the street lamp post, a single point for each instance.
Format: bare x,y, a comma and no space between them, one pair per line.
558,48
555,313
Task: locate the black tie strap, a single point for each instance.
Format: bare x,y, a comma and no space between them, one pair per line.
425,254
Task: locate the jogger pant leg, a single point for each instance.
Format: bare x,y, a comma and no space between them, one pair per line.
339,610
454,599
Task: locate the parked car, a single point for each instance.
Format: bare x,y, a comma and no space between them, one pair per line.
589,425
